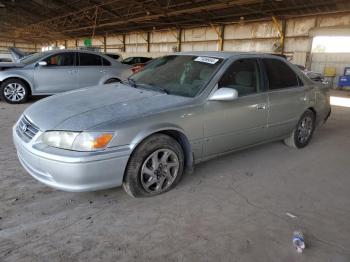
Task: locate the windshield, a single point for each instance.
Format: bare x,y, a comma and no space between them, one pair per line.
32,58
182,75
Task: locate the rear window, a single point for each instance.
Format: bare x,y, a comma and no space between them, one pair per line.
280,75
87,59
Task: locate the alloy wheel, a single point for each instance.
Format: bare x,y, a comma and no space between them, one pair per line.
304,129
159,170
14,92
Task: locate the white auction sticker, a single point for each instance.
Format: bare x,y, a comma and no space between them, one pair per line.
208,60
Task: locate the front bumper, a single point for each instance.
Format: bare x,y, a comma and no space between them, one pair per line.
72,171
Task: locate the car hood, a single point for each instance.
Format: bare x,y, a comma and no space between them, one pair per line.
84,109
8,65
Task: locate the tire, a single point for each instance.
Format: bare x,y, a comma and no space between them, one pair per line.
303,132
143,177
112,80
14,91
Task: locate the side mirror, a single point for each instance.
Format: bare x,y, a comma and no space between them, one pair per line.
224,94
42,63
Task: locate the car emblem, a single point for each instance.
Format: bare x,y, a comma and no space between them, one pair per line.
24,128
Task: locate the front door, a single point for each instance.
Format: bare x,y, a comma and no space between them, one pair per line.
58,75
229,125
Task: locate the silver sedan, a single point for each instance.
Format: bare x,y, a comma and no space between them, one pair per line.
57,71
181,109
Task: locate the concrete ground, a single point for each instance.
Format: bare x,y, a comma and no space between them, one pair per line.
230,209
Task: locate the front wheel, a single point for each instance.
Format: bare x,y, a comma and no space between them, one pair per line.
14,91
303,132
155,167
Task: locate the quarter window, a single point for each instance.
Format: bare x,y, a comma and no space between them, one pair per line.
63,59
242,75
87,59
280,75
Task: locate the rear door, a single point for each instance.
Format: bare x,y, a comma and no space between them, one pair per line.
90,69
229,125
59,75
287,97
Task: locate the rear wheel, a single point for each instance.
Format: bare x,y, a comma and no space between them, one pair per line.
155,167
14,91
303,132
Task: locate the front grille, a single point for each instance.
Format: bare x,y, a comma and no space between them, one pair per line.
26,129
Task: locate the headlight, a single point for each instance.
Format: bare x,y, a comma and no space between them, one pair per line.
78,141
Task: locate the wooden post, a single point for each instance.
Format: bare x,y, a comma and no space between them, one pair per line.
65,44
148,42
283,35
179,36
124,45
76,43
221,38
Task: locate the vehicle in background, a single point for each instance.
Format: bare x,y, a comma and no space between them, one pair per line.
134,60
17,54
57,71
181,109
317,77
116,57
5,60
138,67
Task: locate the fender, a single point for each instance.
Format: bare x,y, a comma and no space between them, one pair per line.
4,78
167,127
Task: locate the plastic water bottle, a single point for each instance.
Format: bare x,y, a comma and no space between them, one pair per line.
298,241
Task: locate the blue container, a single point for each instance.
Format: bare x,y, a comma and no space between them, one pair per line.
344,81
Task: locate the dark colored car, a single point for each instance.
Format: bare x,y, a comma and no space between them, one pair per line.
136,60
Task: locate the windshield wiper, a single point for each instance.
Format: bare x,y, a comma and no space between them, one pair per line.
152,86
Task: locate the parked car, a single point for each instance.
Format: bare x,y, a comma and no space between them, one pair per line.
314,76
138,67
180,110
136,60
5,60
18,54
116,57
57,71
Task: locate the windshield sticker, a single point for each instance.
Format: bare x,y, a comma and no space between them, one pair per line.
208,60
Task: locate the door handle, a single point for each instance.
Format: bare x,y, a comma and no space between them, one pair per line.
261,107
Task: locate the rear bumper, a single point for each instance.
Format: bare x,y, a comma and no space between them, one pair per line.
73,173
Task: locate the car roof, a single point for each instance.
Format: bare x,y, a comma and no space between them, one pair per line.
226,55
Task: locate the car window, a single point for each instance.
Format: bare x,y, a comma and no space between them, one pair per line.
87,59
105,62
114,56
62,59
243,75
183,75
128,60
279,74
